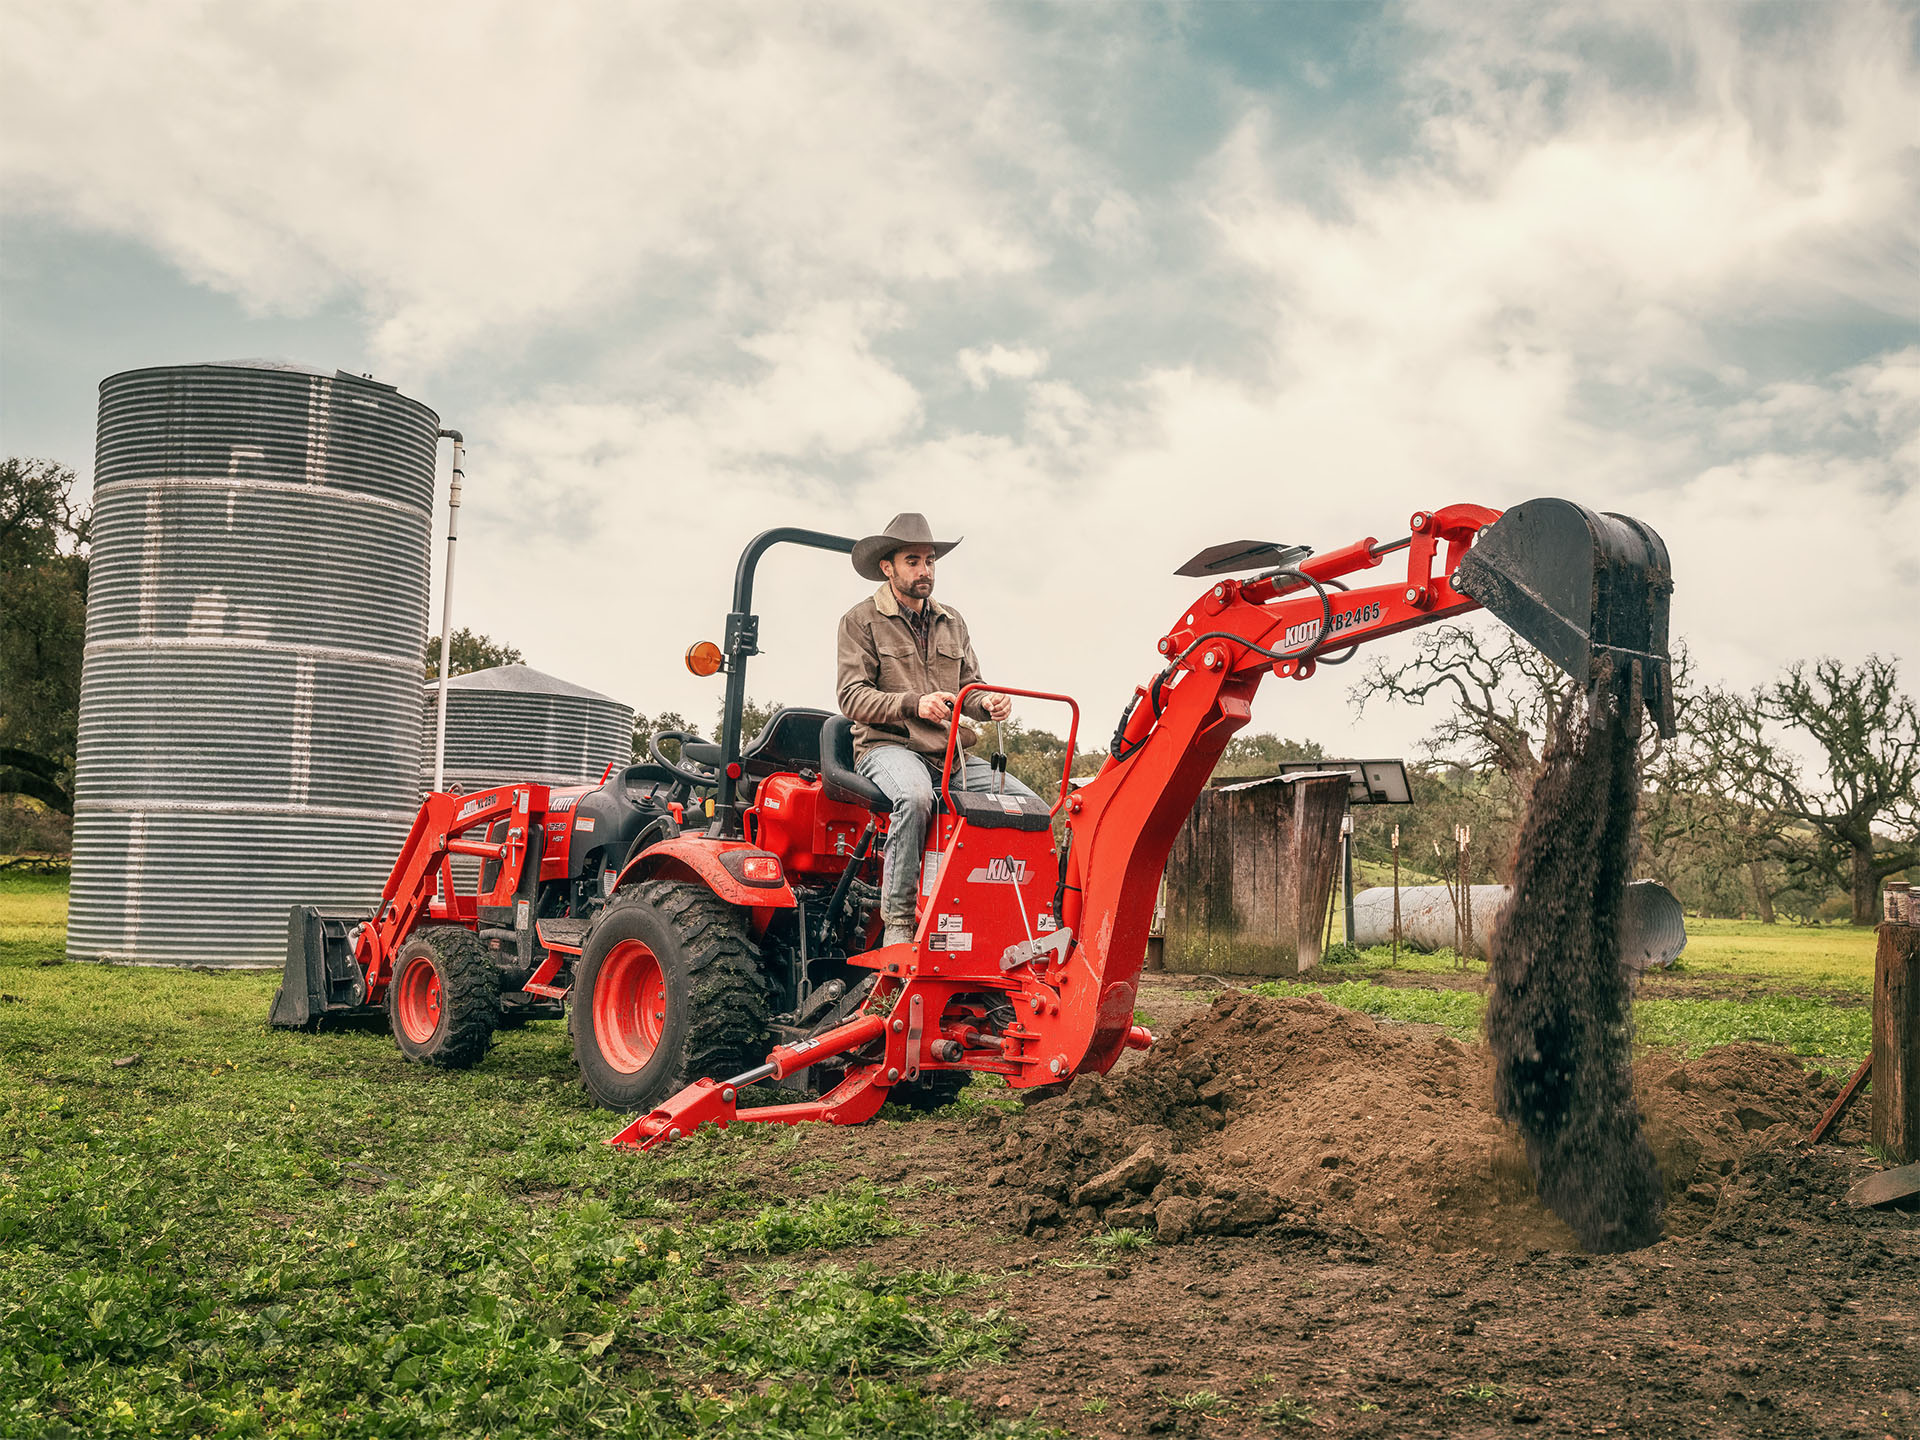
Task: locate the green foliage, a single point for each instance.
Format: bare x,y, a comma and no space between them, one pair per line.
246,1232
645,727
469,652
1489,801
1122,1239
43,624
1286,1410
1804,1024
1198,1402
1839,959
854,1216
1458,1010
1262,754
1827,957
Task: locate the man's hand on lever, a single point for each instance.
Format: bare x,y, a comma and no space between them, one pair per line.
938,705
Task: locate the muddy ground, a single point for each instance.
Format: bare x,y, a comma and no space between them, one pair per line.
1349,1244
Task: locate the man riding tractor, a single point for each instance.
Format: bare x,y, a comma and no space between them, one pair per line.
903,658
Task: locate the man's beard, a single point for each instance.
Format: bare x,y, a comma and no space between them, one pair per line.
920,589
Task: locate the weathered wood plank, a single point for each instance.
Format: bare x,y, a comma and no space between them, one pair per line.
1896,1042
1247,877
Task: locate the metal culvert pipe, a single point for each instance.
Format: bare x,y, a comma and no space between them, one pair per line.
249,707
1653,926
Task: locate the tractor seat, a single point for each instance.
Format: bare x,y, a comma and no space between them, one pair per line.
838,777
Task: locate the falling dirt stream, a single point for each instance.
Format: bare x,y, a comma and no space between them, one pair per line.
1559,1011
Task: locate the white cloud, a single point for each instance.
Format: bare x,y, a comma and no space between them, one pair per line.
784,237
485,169
983,366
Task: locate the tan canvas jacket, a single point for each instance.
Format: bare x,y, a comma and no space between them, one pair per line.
882,675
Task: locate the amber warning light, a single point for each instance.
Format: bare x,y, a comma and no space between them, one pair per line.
704,658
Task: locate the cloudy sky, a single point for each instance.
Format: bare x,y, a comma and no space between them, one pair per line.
1093,285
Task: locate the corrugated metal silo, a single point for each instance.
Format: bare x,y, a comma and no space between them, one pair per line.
249,711
515,723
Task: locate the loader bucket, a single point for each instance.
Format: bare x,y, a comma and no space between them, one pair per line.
1589,591
321,975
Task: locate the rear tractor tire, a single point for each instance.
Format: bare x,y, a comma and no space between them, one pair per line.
668,989
444,1002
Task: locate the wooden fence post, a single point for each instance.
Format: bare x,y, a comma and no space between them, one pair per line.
1396,896
1896,1042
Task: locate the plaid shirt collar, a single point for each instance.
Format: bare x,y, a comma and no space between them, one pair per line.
920,622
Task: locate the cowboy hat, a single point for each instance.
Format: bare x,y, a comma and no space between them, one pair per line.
908,528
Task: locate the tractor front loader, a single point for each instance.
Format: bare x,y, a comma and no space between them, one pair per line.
1026,959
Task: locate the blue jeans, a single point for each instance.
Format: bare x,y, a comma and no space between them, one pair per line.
904,777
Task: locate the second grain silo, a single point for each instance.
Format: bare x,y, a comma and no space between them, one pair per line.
250,707
515,723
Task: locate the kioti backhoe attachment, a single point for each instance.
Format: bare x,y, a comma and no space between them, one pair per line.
1025,958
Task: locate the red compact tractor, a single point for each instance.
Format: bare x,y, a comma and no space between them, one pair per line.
710,923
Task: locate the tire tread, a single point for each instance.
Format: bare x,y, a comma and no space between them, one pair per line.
470,998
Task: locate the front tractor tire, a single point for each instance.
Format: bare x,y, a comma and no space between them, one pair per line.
444,1003
668,989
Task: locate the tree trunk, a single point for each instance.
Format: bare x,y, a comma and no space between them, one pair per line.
1866,887
1762,896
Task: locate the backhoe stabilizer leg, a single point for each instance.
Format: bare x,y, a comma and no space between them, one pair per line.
713,1102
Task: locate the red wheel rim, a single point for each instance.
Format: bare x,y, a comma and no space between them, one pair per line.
629,1006
416,1000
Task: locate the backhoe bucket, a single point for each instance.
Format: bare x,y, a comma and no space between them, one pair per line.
1589,591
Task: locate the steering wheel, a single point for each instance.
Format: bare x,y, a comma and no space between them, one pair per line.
691,773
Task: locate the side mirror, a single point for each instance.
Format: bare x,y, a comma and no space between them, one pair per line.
704,658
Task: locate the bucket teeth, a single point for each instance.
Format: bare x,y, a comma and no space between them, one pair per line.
1589,591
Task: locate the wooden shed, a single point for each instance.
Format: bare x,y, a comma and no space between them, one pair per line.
1249,875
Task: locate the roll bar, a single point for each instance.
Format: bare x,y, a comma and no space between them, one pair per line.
743,640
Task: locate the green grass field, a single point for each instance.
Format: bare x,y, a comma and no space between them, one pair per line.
250,1233
1804,989
240,1232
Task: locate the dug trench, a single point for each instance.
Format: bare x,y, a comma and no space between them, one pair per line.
1288,1218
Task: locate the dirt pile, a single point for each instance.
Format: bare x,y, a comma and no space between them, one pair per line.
1559,1011
1292,1117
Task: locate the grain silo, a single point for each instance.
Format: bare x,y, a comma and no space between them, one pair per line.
515,723
249,711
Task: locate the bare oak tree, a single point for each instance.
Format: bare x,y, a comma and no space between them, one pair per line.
1502,694
1858,810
